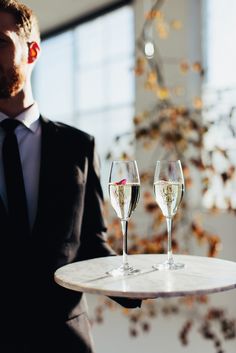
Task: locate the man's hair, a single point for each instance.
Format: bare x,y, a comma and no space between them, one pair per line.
25,18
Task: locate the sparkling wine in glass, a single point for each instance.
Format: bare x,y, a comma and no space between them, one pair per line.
124,191
169,190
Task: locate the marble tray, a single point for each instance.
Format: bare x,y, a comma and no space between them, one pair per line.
201,275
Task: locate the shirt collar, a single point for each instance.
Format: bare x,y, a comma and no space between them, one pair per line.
28,117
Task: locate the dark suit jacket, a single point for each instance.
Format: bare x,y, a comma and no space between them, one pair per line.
69,227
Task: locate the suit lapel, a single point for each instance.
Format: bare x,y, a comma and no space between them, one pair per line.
47,162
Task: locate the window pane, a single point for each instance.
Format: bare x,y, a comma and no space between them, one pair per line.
54,77
221,51
90,89
219,95
120,82
89,39
120,37
110,36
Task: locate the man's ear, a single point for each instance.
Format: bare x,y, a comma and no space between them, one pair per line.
33,52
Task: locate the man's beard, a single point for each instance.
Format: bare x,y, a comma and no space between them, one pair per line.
11,82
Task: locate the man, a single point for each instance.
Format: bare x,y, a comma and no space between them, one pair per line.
50,205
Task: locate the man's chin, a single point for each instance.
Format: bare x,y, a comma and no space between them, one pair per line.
9,93
6,90
4,96
12,85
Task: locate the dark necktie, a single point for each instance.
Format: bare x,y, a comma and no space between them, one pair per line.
16,197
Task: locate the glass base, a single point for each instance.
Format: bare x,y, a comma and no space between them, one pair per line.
169,265
123,271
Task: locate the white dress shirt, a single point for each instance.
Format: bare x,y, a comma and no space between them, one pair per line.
29,140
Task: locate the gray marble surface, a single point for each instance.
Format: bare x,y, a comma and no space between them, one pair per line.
201,275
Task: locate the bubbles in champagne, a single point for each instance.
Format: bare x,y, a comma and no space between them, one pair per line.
168,196
124,198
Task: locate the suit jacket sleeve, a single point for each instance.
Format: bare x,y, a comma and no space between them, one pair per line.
93,242
93,233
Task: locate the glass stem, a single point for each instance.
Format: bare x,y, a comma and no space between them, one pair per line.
124,226
170,259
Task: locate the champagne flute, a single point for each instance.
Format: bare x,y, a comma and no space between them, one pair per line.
169,190
124,191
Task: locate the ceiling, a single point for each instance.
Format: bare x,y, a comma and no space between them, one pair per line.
54,13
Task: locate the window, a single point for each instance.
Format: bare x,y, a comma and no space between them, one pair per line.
220,97
85,78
